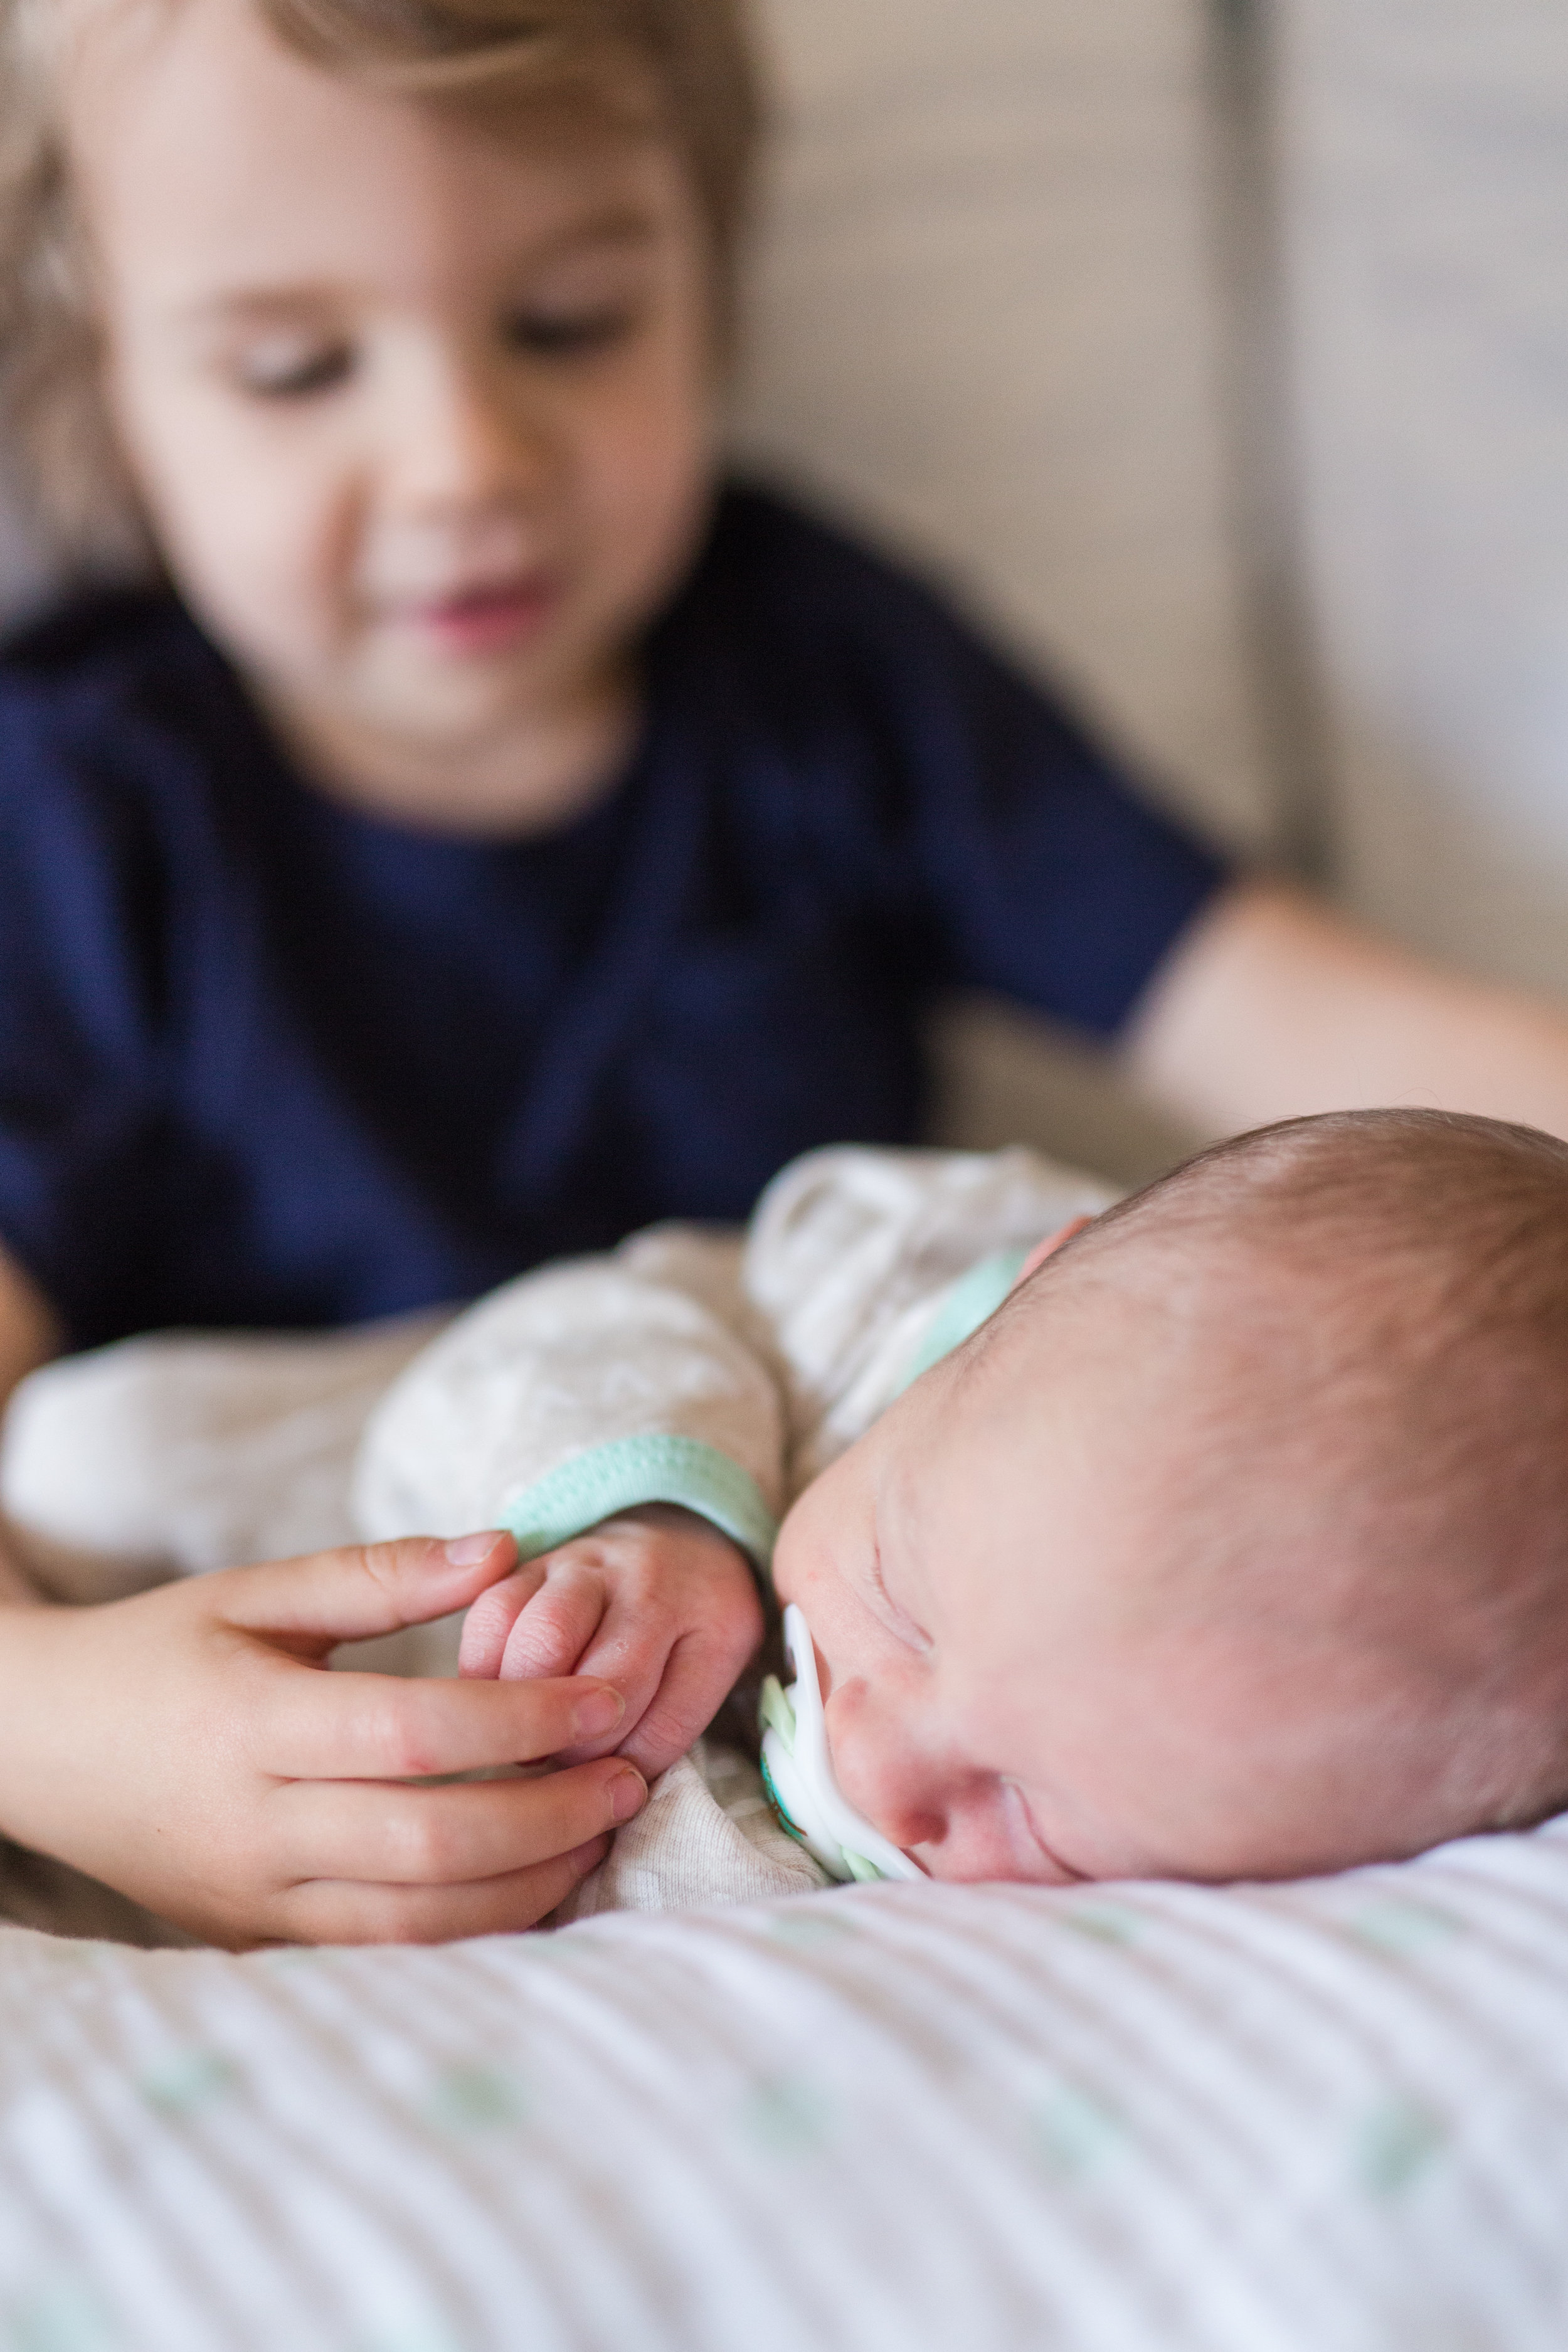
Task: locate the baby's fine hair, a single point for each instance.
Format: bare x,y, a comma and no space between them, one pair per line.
1363,1323
491,59
1471,1201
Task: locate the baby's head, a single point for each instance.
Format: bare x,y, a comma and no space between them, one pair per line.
392,328
1235,1544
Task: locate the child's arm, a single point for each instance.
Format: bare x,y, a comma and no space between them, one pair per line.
1274,1005
618,1417
187,1746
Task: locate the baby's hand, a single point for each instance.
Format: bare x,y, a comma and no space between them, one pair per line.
655,1601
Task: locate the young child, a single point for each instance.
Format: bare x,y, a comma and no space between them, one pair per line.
1233,1544
478,832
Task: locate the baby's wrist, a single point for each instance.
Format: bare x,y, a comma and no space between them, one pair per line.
655,1479
673,1518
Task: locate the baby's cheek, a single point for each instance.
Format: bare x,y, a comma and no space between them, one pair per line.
812,1561
783,1567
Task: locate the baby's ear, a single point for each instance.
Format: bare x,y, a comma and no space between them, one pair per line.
1049,1246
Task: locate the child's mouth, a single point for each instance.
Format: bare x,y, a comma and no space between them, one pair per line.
488,618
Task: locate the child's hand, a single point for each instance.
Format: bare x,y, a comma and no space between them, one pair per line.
187,1746
655,1601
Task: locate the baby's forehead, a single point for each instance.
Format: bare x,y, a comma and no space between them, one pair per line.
1191,1348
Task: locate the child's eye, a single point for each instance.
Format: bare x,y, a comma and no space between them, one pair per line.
294,372
567,334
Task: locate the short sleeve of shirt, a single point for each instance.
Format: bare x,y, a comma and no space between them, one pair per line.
1011,852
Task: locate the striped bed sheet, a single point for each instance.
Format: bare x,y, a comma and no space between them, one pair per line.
1323,2117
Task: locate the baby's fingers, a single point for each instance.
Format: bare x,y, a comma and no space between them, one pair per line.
488,1625
553,1629
699,1670
673,1677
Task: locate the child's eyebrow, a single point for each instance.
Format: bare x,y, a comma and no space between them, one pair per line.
626,229
625,224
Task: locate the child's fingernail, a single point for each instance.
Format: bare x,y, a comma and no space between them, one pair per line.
627,1790
466,1551
599,1712
585,1858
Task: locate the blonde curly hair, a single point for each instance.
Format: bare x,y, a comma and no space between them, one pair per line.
489,60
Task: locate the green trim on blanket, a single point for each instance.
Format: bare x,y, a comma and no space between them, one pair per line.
962,1308
588,1487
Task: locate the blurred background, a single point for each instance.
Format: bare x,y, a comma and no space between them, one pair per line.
1215,354
1217,351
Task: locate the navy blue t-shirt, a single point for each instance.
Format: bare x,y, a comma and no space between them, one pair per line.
266,1060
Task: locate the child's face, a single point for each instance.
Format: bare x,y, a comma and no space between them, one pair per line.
1011,1692
422,420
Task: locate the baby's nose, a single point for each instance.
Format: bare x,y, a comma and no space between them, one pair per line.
879,1769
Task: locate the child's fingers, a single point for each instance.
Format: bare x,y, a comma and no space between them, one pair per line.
491,1618
361,1590
556,1627
346,1911
342,1831
349,1726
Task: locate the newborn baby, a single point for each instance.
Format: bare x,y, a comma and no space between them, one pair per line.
1220,1533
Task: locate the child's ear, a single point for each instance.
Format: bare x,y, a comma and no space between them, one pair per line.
1049,1246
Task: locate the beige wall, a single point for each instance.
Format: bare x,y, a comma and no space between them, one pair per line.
1426,146
23,573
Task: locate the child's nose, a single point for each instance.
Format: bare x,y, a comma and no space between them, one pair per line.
464,443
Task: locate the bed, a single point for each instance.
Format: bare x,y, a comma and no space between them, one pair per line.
1326,2117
